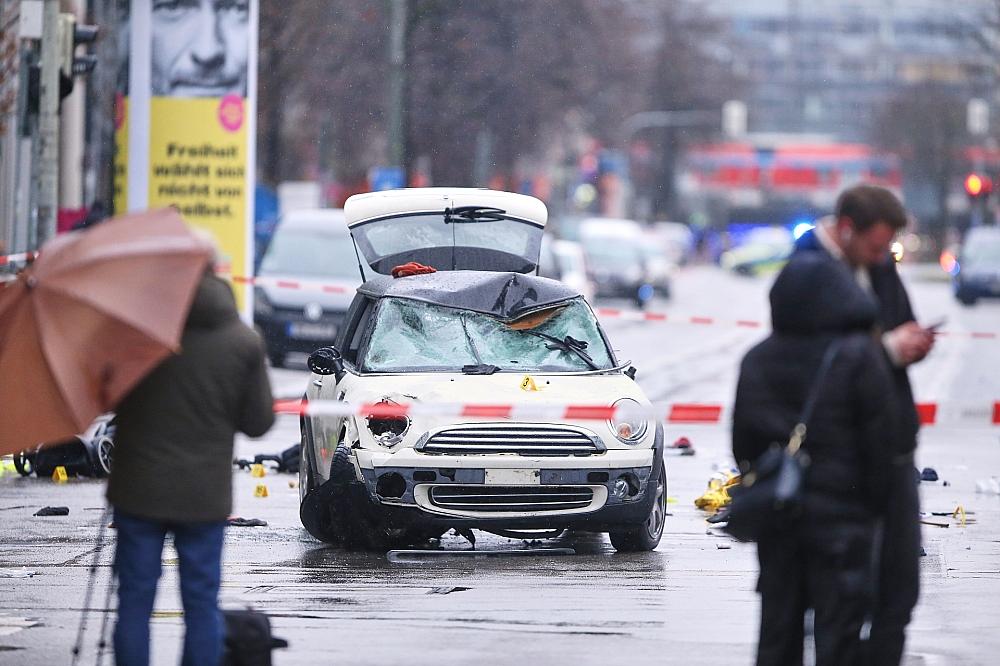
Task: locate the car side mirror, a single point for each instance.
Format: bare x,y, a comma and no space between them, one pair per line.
630,373
326,361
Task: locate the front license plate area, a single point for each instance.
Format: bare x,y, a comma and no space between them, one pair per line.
513,477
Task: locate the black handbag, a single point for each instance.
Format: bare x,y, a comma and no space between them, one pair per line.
769,496
249,641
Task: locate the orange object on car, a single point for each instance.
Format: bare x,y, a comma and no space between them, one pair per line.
412,268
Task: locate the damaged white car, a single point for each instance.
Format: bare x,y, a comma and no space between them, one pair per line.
480,330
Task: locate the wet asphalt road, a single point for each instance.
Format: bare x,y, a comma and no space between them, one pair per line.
690,602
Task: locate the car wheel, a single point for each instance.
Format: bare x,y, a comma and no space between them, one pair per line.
105,454
967,301
24,463
645,537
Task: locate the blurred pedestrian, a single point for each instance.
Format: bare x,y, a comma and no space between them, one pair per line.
821,352
95,215
173,471
860,234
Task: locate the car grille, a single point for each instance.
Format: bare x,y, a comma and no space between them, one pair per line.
520,439
513,499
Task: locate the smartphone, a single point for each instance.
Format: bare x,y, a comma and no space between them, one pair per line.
935,325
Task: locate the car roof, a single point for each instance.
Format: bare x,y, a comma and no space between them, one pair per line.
506,296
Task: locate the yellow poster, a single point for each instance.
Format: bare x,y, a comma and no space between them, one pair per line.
197,163
120,173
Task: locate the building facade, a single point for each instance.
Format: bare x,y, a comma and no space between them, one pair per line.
828,66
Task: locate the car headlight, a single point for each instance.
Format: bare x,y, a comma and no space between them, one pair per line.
388,429
261,306
628,423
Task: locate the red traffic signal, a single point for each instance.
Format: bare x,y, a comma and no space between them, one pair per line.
976,185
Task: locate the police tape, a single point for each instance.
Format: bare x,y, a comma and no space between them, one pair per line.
303,285
601,312
930,413
17,258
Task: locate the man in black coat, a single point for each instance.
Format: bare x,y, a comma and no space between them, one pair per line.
859,235
823,561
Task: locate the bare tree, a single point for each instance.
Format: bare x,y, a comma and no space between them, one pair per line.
925,125
490,83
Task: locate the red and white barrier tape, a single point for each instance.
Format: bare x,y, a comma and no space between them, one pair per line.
930,413
304,285
17,258
602,312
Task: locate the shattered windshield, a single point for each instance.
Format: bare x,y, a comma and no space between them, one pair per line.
415,336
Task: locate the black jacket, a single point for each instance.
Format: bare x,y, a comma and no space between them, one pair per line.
174,440
893,310
853,433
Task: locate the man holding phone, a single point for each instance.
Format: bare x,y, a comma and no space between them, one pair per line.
860,234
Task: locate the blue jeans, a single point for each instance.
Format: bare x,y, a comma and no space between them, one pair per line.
137,564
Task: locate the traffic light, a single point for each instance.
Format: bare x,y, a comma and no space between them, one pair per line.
977,186
71,65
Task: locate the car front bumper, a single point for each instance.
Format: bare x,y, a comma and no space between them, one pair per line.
546,483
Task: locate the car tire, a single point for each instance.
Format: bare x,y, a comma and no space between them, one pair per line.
341,467
967,301
103,456
24,463
645,537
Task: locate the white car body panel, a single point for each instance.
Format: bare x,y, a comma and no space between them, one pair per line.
373,205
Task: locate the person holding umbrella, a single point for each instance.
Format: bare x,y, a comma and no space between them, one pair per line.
183,417
129,317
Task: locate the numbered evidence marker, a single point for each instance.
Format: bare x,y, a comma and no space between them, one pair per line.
260,490
59,475
528,384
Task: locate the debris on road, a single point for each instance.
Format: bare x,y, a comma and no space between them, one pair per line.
239,521
928,474
53,511
447,590
717,495
683,446
17,573
287,461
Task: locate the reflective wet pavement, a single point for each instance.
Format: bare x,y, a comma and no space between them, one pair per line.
690,602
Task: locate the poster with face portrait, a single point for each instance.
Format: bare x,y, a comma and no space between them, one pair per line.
191,109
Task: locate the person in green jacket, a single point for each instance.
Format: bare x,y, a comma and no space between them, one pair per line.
173,471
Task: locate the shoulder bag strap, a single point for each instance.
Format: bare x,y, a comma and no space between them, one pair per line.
798,436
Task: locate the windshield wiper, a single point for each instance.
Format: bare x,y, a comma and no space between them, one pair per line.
568,344
479,369
467,214
475,351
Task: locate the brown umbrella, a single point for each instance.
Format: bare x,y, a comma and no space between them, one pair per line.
96,312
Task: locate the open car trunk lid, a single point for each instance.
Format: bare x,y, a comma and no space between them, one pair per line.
448,229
